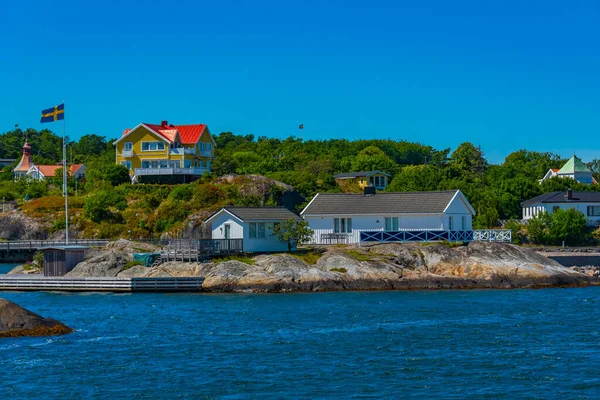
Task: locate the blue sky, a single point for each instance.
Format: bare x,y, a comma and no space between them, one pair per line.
504,76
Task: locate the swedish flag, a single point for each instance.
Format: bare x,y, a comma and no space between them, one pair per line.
55,113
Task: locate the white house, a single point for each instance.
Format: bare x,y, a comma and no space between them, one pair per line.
43,172
252,224
345,215
586,202
574,169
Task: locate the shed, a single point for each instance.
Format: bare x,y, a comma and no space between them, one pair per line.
61,259
254,225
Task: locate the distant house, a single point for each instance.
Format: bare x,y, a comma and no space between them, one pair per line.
345,215
174,152
77,171
4,162
378,179
574,169
252,224
586,202
26,167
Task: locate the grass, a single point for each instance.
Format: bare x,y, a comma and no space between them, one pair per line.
342,270
132,264
245,260
444,243
359,255
308,256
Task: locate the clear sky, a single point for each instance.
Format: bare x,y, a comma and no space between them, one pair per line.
509,75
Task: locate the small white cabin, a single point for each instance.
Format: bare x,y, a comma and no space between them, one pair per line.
252,224
345,215
586,202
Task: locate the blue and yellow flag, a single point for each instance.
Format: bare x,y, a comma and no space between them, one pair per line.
55,113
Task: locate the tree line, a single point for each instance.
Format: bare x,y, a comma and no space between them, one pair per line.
495,190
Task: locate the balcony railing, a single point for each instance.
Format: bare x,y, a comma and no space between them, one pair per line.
170,171
127,153
182,150
204,153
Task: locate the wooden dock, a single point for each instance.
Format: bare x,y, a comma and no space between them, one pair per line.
67,284
200,249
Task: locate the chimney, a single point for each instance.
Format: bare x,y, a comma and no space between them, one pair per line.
369,190
165,124
569,194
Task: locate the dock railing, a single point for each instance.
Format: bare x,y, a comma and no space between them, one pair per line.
487,235
39,244
200,249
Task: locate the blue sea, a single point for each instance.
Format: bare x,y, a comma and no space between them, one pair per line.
423,344
4,268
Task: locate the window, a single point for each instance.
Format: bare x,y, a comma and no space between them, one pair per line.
201,164
128,146
555,208
126,164
342,225
257,230
450,223
174,164
391,223
208,146
153,146
463,223
187,164
158,164
593,211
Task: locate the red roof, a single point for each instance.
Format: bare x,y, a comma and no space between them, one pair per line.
555,169
50,170
189,134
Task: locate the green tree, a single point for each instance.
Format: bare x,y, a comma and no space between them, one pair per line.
538,228
97,206
372,158
293,232
117,175
568,226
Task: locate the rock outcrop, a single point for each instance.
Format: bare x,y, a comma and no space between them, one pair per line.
380,267
111,260
15,321
17,226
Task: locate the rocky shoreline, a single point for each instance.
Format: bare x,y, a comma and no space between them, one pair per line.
410,266
16,321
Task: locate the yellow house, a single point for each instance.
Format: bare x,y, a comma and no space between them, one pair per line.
378,179
176,153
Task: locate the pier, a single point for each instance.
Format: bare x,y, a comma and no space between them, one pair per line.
68,284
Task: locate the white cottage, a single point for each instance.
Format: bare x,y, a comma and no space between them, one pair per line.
586,202
252,224
342,215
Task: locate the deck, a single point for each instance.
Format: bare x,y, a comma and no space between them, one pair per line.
200,250
68,284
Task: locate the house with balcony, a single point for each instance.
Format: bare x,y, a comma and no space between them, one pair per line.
165,153
378,179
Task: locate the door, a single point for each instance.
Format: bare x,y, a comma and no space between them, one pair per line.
227,231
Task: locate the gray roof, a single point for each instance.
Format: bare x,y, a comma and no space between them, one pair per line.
260,213
380,203
358,174
561,197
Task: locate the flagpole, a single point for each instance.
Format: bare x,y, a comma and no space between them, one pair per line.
65,180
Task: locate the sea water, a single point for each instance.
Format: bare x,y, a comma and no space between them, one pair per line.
421,344
4,268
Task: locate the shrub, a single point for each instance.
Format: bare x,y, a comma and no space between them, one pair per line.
182,192
342,270
38,259
516,230
131,264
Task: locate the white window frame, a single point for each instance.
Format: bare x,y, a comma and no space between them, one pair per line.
593,211
392,223
152,144
126,164
128,146
342,225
